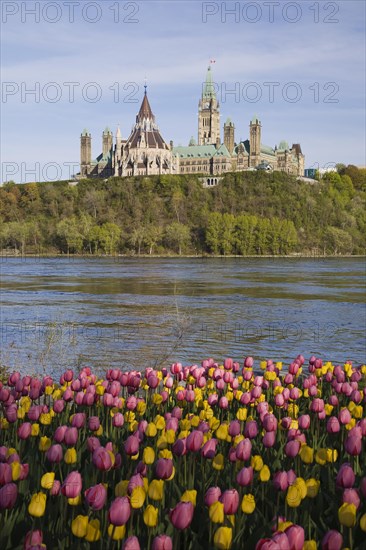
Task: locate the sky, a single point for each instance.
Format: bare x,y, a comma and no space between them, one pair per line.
69,65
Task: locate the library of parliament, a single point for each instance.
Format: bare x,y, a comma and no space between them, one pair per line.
145,152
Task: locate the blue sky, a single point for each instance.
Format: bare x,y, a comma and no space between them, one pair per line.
305,50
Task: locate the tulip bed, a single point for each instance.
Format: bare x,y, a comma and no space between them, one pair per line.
209,456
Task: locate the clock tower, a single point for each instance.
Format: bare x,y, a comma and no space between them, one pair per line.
208,114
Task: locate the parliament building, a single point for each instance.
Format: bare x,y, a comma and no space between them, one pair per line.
146,153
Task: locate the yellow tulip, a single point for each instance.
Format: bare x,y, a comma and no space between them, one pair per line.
93,531
141,407
99,431
165,453
347,514
293,497
159,422
214,423
282,525
79,526
264,474
310,545
15,470
321,456
44,444
248,504
332,455
157,399
222,432
148,455
21,413
156,489
70,456
151,430
306,454
35,430
151,516
37,505
312,486
363,522
75,501
189,496
170,436
223,538
301,485
45,419
47,480
117,532
256,463
216,512
242,414
218,462
137,497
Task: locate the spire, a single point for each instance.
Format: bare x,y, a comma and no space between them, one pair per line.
118,133
209,89
255,120
145,110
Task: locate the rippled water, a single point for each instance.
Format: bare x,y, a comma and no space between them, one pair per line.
60,312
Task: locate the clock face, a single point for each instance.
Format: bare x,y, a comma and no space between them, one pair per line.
206,105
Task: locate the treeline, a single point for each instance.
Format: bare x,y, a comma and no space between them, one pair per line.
247,213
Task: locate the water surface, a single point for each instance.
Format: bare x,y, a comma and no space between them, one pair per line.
133,313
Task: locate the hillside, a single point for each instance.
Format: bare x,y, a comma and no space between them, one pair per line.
247,214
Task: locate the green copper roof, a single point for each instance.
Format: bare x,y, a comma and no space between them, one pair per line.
107,130
201,151
283,146
267,149
222,151
229,122
209,89
255,119
192,142
85,132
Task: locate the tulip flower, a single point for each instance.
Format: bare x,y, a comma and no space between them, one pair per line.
230,500
47,480
96,496
71,487
93,532
33,539
37,505
181,516
164,468
345,477
209,448
347,514
8,496
162,542
137,497
352,497
119,511
212,495
102,459
79,526
223,538
296,537
248,504
245,476
54,453
150,516
131,543
332,540
189,496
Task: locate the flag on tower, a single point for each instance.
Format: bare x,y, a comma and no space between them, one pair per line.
212,60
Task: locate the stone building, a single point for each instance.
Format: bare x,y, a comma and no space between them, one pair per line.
145,152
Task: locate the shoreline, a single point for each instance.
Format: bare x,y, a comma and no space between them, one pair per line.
299,256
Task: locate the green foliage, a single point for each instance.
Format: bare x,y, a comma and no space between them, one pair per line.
248,213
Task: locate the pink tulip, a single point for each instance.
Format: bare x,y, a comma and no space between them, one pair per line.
131,445
353,445
280,481
281,539
33,539
96,496
270,423
212,495
269,439
251,429
304,422
181,516
162,542
71,487
131,543
71,436
332,540
120,511
101,459
8,496
291,477
279,400
245,476
344,416
267,544
209,448
292,448
93,423
56,488
296,537
54,453
163,468
244,450
352,497
333,425
345,477
5,473
118,420
135,481
248,362
230,500
194,441
317,405
78,420
179,447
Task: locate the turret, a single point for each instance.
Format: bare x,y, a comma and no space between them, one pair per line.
255,141
208,113
107,142
229,135
85,152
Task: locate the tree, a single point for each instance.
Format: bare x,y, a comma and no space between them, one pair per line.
152,236
68,231
110,235
177,236
213,232
337,241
